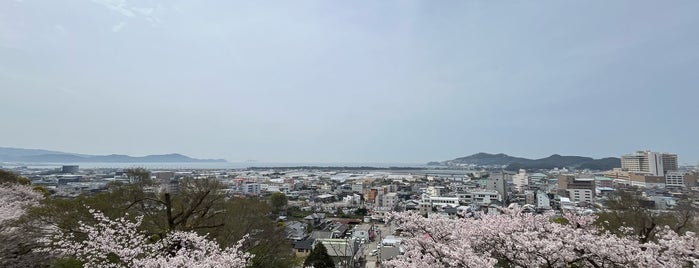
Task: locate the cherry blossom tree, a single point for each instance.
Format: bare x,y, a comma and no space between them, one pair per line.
188,249
119,243
15,240
513,238
14,200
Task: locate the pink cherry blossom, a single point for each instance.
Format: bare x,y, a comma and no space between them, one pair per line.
119,243
533,240
15,199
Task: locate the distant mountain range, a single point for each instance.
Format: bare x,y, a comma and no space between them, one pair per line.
18,155
553,161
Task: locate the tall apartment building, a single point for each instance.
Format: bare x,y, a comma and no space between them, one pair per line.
669,162
649,162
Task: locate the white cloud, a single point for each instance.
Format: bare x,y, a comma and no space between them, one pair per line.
116,5
117,27
124,8
144,10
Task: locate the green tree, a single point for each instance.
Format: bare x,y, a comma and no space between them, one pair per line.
319,258
278,201
629,209
9,177
267,241
138,175
361,212
197,205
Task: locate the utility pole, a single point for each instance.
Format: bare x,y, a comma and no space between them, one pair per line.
378,257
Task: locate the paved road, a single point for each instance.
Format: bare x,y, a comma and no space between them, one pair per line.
382,231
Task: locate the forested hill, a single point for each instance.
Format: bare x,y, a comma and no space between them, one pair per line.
553,161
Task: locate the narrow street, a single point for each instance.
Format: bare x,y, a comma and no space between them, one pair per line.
381,232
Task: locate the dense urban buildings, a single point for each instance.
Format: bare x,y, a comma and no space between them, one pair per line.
345,209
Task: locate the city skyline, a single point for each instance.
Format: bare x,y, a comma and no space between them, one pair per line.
398,82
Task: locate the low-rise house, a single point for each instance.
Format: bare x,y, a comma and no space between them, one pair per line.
315,219
325,198
340,250
321,234
296,230
391,241
362,232
303,247
411,205
389,253
338,229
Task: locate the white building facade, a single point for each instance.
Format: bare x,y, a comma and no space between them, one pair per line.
581,195
674,179
520,180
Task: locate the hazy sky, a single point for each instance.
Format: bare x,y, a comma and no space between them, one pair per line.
350,81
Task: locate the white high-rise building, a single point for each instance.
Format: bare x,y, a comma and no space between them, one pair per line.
655,164
649,162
